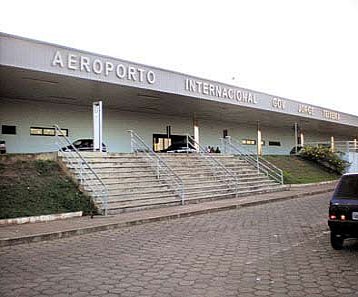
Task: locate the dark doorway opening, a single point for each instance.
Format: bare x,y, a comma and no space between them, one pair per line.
163,141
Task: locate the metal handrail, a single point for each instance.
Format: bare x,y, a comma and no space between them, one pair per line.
220,172
262,165
339,146
163,171
88,177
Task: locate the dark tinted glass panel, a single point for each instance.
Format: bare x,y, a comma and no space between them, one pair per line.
5,129
348,187
274,143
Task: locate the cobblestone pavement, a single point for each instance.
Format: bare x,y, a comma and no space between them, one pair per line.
278,249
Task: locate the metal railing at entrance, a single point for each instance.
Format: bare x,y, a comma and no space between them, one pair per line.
220,172
232,146
162,170
336,146
88,178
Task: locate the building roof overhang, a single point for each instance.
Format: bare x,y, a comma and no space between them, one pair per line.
32,70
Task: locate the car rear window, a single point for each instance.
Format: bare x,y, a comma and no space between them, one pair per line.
348,187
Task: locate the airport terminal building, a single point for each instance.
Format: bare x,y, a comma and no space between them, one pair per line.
43,84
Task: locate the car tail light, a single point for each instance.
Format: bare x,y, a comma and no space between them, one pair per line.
343,217
332,217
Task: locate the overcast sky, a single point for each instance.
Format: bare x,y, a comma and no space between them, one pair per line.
305,50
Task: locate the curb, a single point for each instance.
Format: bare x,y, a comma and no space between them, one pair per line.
43,218
111,226
295,186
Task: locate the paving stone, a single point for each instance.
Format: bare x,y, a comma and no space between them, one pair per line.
278,249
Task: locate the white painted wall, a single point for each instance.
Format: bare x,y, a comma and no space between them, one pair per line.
78,119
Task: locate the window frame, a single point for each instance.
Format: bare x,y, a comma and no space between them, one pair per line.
47,134
248,141
14,127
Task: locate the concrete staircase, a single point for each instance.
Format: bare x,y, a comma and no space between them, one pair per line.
250,181
132,183
200,183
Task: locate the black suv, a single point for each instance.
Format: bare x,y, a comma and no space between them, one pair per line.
83,145
343,210
179,147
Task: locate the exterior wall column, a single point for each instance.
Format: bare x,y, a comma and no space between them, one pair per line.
332,144
97,126
296,137
259,140
355,144
196,133
302,139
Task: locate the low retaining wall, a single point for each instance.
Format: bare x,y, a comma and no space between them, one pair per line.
50,156
43,218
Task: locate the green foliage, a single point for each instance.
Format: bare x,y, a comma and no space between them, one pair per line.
299,171
324,157
30,188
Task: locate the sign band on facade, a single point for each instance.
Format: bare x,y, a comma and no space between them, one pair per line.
215,90
100,67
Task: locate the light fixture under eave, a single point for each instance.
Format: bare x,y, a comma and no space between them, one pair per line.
40,80
149,109
63,98
148,96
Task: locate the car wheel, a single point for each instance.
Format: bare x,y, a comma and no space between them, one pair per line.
336,241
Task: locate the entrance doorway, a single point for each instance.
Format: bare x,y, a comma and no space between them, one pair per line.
163,141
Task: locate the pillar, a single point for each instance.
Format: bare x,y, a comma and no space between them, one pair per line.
332,143
296,138
196,133
97,126
302,139
259,140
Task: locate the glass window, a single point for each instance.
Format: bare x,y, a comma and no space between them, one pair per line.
43,131
11,130
64,132
50,132
274,143
35,131
348,187
248,141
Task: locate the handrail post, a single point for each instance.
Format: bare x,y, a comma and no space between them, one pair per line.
259,163
131,142
77,161
160,168
105,194
187,144
220,172
81,172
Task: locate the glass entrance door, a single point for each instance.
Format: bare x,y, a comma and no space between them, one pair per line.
162,141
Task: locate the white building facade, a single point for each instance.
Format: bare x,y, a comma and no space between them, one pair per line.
43,84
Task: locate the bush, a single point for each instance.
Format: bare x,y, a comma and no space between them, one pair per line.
324,157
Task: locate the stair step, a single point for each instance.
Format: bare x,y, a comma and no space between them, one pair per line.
132,184
201,198
115,170
134,196
134,187
111,165
121,207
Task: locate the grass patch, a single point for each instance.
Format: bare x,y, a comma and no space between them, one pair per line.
299,171
31,188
